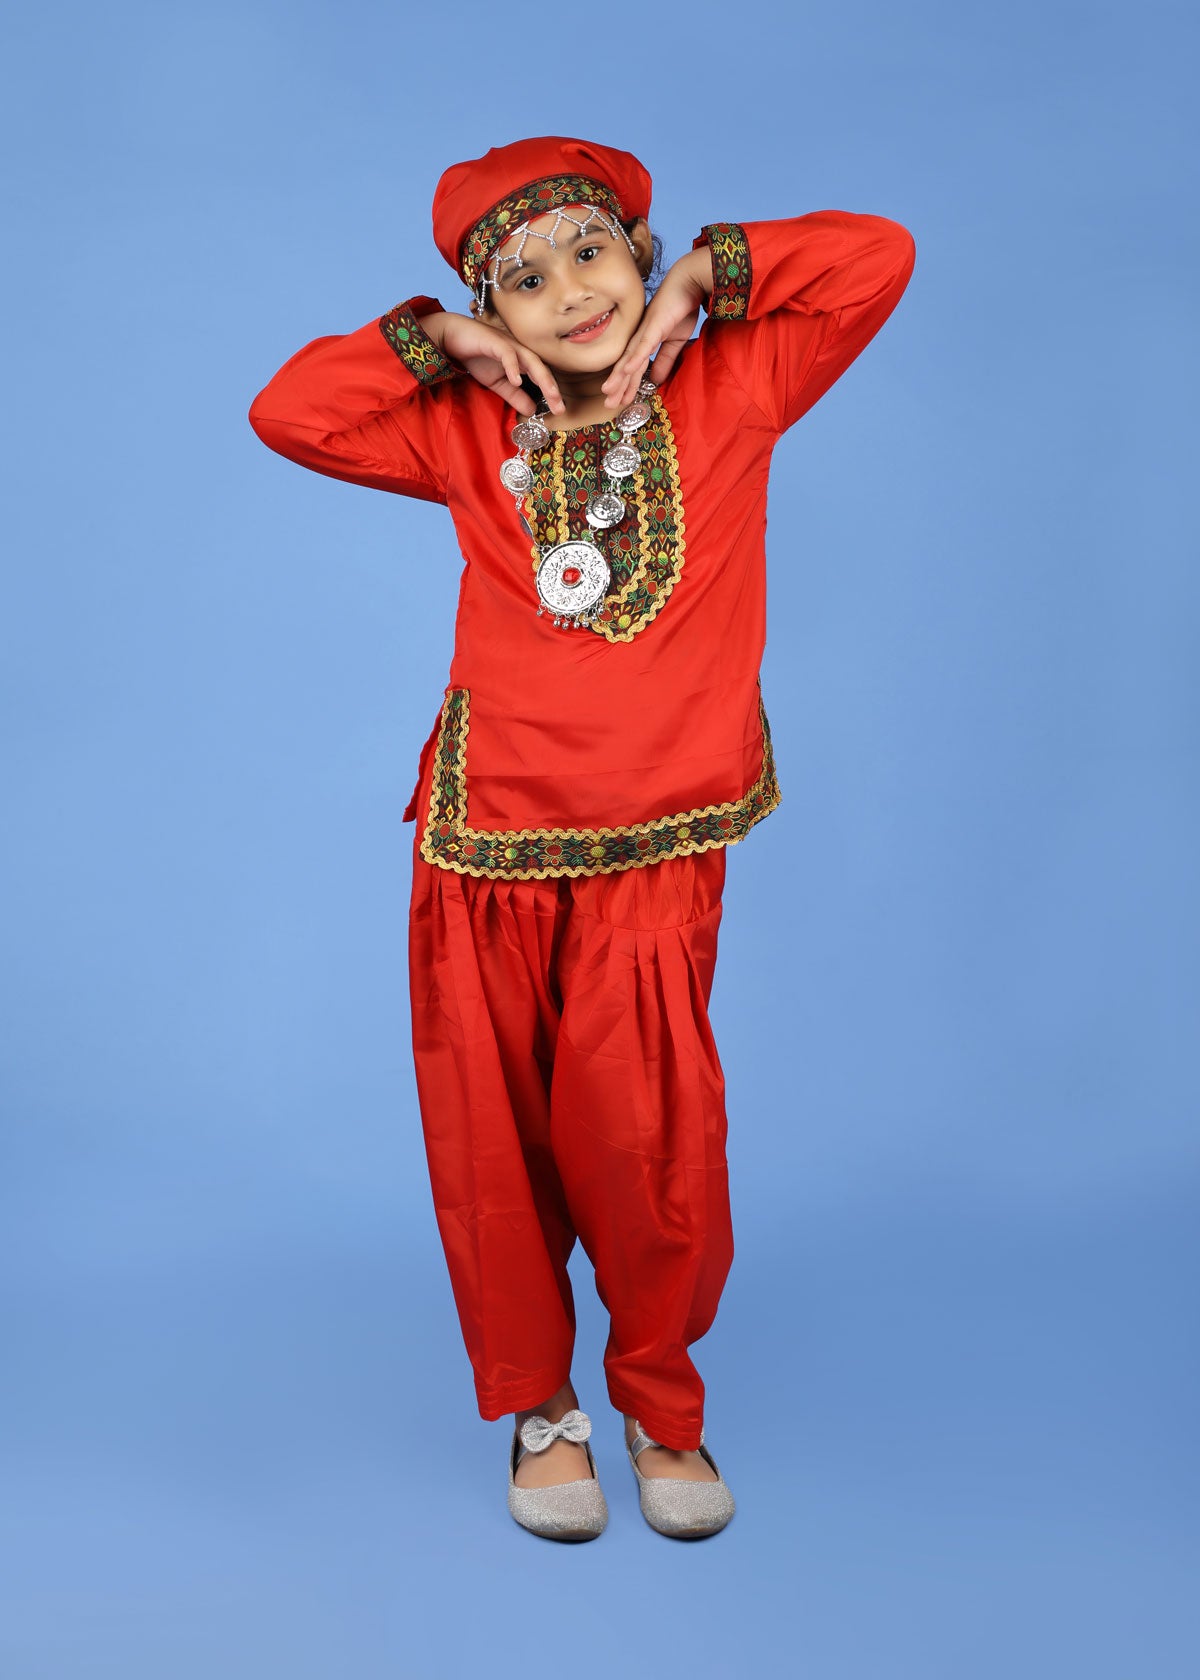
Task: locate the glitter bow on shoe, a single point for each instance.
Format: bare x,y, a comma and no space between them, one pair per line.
538,1432
567,1510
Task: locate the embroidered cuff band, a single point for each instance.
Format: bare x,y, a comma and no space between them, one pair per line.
420,355
730,297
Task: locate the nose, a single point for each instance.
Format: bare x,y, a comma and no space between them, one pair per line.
576,289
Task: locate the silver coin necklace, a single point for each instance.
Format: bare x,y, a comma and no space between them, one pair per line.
573,576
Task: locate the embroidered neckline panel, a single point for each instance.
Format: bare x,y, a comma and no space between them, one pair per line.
645,566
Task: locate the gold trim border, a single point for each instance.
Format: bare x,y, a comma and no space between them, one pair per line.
538,854
608,624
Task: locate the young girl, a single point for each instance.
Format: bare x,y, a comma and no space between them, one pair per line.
601,741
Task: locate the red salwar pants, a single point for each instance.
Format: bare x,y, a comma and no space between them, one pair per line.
570,1088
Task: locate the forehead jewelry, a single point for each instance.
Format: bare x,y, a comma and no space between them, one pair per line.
573,576
492,268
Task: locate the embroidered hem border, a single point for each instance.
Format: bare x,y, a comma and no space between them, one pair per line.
420,355
526,204
538,853
732,274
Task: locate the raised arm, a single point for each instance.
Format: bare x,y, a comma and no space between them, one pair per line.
367,406
793,302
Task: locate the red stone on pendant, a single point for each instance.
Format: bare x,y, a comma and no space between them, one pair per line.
571,575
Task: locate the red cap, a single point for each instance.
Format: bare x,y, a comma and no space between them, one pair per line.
479,204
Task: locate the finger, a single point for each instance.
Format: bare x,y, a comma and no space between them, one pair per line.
628,375
544,380
622,387
635,376
622,395
514,394
493,379
637,353
665,360
665,343
629,357
506,381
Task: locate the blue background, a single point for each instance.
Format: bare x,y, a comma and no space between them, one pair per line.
953,1381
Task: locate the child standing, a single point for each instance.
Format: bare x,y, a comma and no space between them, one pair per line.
602,740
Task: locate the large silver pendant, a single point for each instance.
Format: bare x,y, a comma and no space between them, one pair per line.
572,581
633,418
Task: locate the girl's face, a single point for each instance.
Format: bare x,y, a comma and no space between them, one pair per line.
576,305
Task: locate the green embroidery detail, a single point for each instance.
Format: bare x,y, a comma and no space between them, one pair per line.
730,297
645,563
414,346
534,199
537,853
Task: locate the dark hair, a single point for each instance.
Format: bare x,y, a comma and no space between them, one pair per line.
655,275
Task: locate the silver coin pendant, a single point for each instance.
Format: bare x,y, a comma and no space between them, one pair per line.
605,509
621,461
530,434
516,476
633,418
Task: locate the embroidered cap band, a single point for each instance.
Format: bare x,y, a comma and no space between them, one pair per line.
536,198
483,202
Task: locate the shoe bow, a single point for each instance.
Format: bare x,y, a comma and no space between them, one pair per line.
537,1432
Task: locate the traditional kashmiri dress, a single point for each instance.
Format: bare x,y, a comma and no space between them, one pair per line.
576,796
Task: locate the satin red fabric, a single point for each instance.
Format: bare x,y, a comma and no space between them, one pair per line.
570,1089
570,731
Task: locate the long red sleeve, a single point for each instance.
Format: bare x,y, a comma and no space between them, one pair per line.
795,301
367,406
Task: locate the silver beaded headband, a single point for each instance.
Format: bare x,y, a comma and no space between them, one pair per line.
490,274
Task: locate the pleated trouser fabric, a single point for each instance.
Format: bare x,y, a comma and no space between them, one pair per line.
570,1089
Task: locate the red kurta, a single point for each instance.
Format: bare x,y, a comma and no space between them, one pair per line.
591,750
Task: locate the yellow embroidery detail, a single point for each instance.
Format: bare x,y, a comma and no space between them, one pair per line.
644,583
539,853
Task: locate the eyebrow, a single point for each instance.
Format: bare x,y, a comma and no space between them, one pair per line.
527,263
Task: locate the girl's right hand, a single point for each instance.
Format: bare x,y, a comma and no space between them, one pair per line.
494,358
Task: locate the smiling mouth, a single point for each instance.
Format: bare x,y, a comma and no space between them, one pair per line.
592,328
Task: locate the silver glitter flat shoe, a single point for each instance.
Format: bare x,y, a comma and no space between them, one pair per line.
681,1510
567,1510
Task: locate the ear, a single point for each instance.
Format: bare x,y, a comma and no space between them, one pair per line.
643,245
489,316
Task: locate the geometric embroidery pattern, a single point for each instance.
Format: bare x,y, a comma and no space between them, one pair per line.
527,203
420,355
731,270
644,568
538,853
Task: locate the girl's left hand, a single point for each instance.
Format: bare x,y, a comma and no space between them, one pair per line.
668,323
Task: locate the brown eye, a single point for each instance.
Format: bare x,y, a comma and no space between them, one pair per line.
588,252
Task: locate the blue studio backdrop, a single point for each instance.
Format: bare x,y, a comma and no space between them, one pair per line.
952,1383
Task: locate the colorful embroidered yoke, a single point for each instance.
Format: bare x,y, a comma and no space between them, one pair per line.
578,752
